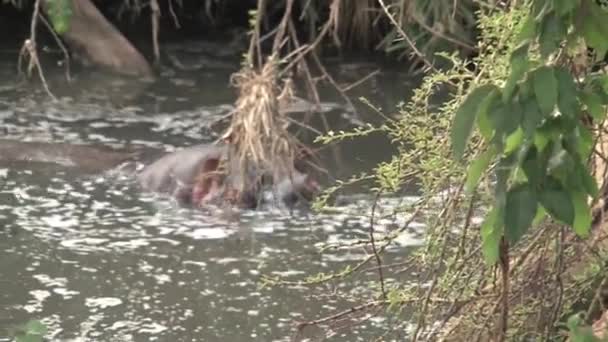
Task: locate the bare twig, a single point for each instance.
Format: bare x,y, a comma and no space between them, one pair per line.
354,309
29,50
373,244
360,81
173,15
154,17
412,45
282,27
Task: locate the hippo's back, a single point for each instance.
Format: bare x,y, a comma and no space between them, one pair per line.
177,169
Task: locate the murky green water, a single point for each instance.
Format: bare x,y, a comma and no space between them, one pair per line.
97,260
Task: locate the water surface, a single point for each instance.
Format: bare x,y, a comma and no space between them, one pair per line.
96,259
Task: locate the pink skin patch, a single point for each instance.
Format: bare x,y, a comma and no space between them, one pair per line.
207,185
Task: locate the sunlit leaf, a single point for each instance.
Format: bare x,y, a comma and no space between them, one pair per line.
477,168
465,118
545,89
520,210
514,141
35,327
491,232
60,12
541,139
582,214
527,31
540,215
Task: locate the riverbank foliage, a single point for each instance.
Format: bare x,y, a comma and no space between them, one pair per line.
536,94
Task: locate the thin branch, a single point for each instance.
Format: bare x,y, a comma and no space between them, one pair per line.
29,49
361,80
155,16
373,243
354,309
61,46
405,36
173,15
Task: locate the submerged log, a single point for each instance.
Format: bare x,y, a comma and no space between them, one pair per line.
85,158
93,37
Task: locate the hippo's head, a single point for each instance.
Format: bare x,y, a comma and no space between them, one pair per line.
297,188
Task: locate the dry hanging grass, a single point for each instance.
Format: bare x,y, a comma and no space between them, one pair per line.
258,135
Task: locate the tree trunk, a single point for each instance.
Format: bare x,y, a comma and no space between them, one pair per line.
96,39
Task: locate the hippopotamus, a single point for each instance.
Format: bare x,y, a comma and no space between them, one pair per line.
192,176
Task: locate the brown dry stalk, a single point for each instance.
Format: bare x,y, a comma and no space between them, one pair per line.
258,131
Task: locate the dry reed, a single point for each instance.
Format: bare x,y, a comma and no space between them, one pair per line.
258,133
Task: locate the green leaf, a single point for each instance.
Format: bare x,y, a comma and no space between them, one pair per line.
532,167
541,139
527,31
465,118
531,117
505,119
477,168
595,27
582,214
563,7
502,173
491,232
29,338
540,8
514,140
594,37
60,12
551,34
557,201
35,327
520,210
588,181
519,66
585,141
594,105
540,216
545,89
567,93
483,121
